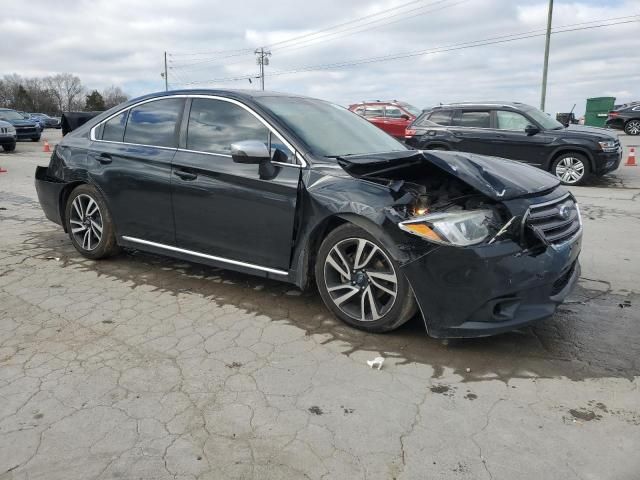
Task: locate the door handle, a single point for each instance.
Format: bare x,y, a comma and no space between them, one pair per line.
104,158
184,175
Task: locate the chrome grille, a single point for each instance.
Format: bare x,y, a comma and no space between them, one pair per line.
555,222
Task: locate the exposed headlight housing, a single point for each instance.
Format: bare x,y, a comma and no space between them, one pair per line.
462,228
608,146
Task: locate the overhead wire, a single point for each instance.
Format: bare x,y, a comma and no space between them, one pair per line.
446,48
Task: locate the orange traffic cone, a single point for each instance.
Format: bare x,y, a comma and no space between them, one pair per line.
46,147
631,159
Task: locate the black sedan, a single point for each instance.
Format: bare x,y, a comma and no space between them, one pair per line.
304,191
626,117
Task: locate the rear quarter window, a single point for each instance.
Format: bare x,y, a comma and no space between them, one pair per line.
113,130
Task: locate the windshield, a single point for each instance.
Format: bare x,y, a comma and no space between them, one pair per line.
411,109
543,119
10,115
330,130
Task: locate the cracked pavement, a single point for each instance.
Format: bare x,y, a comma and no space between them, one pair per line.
144,367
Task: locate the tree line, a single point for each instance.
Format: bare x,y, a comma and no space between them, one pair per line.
55,94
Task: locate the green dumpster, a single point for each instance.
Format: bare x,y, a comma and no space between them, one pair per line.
597,110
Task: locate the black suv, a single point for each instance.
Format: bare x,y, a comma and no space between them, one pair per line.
519,132
626,117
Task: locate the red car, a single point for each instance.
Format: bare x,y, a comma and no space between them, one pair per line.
392,117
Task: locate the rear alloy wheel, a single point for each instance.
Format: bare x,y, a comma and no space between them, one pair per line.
360,283
632,127
89,223
570,168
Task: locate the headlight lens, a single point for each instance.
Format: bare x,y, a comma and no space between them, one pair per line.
455,228
11,129
608,146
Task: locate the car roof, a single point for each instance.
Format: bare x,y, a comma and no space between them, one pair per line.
489,103
232,93
380,102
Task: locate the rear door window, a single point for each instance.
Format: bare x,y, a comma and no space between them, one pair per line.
215,124
154,123
511,120
113,130
473,119
441,117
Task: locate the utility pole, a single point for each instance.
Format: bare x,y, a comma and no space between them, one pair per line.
166,77
543,96
262,60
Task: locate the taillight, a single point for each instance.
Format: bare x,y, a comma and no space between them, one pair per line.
409,132
613,114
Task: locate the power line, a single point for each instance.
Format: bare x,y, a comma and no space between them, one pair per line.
293,42
374,24
211,52
355,20
459,46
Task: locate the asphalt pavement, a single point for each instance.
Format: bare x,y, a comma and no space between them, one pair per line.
150,368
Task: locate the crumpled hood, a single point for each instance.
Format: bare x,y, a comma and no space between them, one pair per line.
497,178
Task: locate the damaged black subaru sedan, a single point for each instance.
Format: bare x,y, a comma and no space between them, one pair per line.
304,191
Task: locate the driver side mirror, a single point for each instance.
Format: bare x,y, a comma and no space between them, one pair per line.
250,151
531,130
404,116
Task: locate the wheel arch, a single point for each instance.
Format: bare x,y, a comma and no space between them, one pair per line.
62,200
306,258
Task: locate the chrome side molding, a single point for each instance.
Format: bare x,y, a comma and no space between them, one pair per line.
204,255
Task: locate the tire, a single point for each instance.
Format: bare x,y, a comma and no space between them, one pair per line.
9,148
571,168
35,139
632,127
393,300
83,223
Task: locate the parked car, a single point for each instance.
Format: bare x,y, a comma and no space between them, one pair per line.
27,116
8,136
391,116
25,129
293,188
625,117
518,132
46,120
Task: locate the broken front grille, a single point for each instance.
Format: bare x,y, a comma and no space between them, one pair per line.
555,222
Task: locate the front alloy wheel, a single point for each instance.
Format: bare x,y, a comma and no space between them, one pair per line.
360,283
632,127
571,169
360,279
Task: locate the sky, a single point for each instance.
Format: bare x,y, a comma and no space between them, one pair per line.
115,42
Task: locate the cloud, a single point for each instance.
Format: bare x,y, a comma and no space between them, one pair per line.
122,42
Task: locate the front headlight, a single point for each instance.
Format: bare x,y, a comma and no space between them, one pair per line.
11,129
455,228
608,146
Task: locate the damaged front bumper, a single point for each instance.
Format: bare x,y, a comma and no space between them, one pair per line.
489,289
